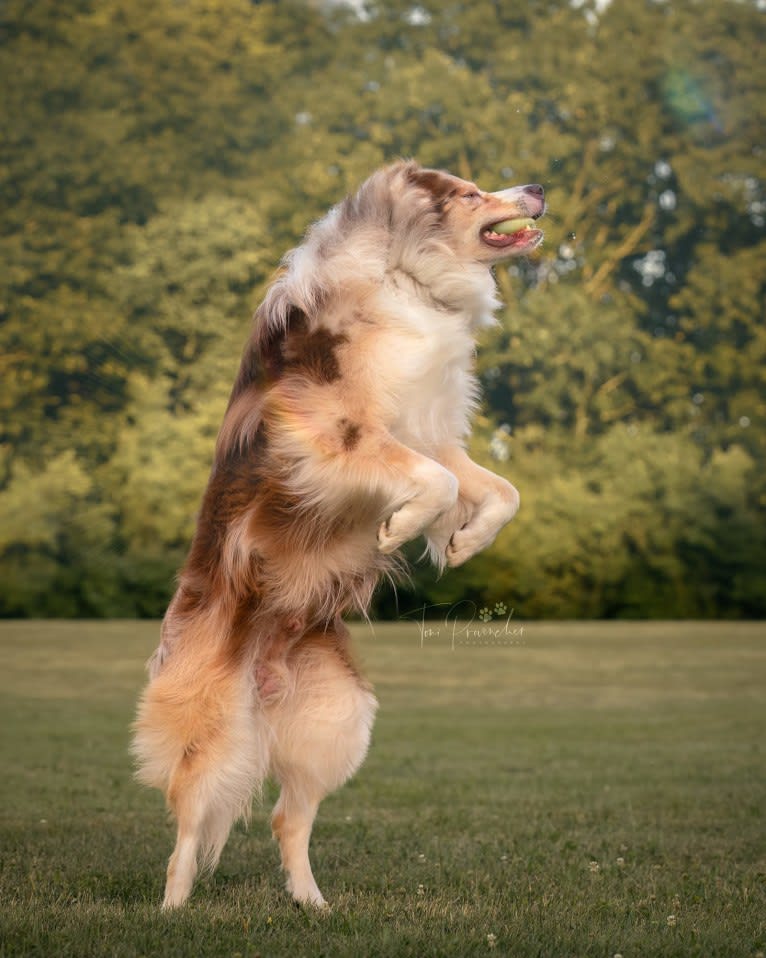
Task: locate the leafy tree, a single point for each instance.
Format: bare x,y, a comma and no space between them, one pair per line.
157,160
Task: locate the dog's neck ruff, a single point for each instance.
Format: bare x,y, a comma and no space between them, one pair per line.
477,311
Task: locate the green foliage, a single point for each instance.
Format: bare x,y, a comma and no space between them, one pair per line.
156,160
639,524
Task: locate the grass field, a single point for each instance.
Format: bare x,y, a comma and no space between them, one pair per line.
580,789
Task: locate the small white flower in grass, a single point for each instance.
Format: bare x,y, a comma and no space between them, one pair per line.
421,857
503,858
421,890
594,867
620,862
491,940
617,955
671,920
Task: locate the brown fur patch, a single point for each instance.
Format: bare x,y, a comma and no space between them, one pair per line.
350,433
231,489
252,371
313,353
295,349
269,341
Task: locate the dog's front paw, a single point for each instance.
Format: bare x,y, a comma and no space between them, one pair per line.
483,526
438,493
464,544
403,526
390,536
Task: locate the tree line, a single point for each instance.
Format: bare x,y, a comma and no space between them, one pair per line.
158,159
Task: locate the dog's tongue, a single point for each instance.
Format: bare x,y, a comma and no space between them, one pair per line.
513,226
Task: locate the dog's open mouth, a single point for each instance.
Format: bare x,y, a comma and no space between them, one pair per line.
512,234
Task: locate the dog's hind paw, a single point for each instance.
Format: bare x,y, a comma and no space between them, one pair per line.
307,893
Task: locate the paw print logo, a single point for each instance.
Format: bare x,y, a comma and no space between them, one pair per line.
500,608
485,615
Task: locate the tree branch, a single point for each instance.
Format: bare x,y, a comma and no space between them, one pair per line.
625,248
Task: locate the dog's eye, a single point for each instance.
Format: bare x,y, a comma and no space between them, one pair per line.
472,196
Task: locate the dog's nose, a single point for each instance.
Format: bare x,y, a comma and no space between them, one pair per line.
534,200
529,199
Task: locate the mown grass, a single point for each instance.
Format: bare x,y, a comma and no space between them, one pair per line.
594,789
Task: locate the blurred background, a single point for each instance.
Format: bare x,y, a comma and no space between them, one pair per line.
158,157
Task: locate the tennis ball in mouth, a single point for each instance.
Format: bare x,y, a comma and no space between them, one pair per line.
513,226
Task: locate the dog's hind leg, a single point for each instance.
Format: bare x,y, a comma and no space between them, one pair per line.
291,824
209,791
321,732
182,867
197,740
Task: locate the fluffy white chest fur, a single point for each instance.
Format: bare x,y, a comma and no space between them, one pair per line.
425,363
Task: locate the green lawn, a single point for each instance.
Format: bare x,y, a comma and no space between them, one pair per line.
592,789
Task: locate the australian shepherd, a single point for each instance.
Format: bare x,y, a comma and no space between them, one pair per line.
344,438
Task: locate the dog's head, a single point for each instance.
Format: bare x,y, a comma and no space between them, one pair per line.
479,226
440,230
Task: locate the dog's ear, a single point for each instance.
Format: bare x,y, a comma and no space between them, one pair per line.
437,184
